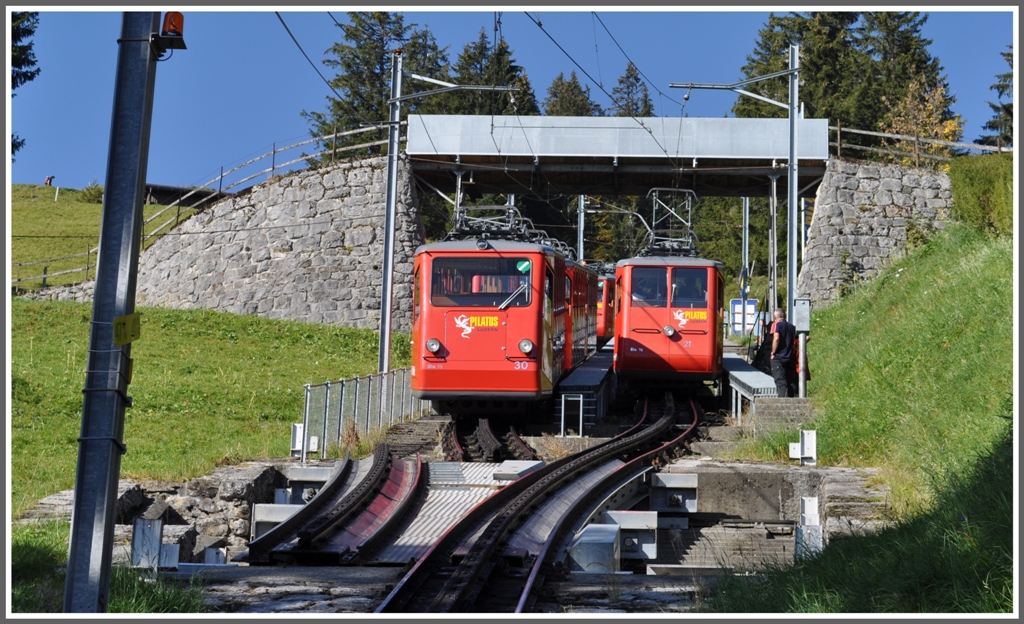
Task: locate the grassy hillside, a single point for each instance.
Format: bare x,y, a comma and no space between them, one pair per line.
913,372
910,370
208,388
44,229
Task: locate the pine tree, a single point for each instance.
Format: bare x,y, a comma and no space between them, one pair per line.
829,57
899,52
569,98
853,68
631,97
479,64
1002,120
23,59
770,55
363,61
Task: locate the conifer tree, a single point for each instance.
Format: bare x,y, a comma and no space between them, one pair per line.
1002,120
569,98
631,97
479,64
23,59
899,54
853,68
363,61
770,55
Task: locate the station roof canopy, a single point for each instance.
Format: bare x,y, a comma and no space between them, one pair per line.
548,155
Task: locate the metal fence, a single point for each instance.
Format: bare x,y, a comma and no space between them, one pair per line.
335,410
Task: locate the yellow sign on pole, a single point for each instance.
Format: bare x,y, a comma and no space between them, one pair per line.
127,328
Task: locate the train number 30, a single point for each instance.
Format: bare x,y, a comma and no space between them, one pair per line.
522,366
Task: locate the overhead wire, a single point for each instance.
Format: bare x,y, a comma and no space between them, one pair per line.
341,99
648,80
603,90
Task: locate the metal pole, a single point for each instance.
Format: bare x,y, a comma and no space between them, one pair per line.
745,270
304,447
384,352
773,249
323,429
792,245
802,337
108,374
579,234
803,229
341,413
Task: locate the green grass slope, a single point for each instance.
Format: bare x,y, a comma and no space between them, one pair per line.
208,388
45,229
913,372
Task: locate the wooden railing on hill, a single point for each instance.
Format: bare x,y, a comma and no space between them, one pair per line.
917,154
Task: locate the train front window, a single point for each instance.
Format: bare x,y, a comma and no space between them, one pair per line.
481,282
648,287
689,288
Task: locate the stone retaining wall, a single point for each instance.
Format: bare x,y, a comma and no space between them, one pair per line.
865,215
305,247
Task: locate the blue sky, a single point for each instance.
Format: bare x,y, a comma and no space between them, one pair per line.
239,87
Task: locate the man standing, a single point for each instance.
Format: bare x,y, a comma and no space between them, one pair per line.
783,360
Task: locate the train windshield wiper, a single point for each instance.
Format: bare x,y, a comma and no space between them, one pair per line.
518,291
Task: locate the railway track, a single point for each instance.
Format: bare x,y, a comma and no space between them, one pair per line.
468,562
469,442
348,517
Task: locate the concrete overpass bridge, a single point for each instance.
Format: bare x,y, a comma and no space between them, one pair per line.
548,156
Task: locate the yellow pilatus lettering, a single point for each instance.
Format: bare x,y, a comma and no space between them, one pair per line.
483,321
696,315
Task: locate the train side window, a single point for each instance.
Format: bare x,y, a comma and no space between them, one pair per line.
549,279
648,287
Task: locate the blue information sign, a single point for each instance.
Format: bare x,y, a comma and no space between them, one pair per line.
736,314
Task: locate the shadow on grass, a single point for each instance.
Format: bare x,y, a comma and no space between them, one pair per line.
38,560
956,558
39,568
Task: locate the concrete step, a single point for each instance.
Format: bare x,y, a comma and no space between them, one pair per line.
710,448
725,432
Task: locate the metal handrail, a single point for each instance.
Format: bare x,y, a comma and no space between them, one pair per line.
378,401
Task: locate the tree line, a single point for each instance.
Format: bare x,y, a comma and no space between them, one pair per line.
863,70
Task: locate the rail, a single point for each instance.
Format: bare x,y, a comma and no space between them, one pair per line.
200,196
336,413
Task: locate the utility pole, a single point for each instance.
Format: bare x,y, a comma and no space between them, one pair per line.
794,210
114,324
794,95
391,208
581,202
745,271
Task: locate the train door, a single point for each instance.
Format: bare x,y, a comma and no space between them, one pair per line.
644,345
692,307
547,343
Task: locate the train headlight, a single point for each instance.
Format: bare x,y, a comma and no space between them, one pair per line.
526,346
433,345
669,331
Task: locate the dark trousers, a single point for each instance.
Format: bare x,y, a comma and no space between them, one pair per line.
784,374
